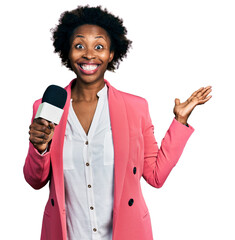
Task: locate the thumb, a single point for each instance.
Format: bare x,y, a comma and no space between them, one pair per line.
52,126
177,101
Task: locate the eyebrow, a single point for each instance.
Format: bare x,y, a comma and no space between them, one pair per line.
81,36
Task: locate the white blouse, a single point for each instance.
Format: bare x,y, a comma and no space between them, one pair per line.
88,163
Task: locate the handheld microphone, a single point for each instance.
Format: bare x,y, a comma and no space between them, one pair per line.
53,101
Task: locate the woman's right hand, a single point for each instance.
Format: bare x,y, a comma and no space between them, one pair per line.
40,133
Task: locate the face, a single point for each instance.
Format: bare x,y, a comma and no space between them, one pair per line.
90,53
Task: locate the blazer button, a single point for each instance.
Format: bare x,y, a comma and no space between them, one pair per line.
52,202
131,201
134,170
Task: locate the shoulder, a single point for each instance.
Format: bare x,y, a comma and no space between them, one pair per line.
35,106
37,102
135,107
132,100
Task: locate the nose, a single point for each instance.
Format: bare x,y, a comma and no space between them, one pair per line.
89,53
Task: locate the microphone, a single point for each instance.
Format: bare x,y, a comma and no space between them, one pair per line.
53,101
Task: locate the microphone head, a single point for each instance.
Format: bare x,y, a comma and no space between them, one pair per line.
55,96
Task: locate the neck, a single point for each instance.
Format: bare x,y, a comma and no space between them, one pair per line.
86,91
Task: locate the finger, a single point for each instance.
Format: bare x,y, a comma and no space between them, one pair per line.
205,94
41,128
35,140
207,91
200,92
52,126
177,101
39,134
41,121
195,93
204,91
204,100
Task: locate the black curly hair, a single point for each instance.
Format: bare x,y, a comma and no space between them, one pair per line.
70,20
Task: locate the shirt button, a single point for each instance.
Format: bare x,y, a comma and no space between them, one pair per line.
89,186
87,164
94,229
91,208
86,142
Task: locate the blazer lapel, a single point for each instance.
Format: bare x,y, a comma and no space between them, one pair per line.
57,152
120,131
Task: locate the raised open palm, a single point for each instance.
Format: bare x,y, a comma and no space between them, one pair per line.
183,110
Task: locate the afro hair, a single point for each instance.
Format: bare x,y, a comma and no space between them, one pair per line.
113,25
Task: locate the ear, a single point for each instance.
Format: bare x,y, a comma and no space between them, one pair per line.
111,56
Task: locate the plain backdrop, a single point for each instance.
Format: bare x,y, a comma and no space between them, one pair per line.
178,46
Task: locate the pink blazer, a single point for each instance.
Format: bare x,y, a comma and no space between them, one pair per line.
136,154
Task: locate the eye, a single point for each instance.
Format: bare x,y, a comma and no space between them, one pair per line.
98,47
79,46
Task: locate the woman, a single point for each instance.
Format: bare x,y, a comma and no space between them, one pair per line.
104,143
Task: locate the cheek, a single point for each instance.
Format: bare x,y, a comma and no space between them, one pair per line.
72,55
72,60
106,56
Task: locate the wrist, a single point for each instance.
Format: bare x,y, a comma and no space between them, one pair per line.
41,148
182,120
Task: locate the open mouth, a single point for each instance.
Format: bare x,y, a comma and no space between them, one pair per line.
88,68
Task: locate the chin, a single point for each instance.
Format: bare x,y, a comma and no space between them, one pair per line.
88,79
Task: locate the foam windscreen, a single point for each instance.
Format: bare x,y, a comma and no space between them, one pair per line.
55,95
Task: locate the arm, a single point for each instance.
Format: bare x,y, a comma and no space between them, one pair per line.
37,166
158,163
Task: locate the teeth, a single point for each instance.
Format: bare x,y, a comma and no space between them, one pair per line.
89,67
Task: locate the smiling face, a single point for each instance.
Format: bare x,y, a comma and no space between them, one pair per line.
90,53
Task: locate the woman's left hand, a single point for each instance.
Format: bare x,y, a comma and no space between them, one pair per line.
183,110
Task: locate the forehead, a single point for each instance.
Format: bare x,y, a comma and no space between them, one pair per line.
92,31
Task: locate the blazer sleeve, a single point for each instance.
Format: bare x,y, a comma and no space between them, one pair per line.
158,163
37,167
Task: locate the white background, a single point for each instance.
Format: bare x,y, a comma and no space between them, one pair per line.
178,46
